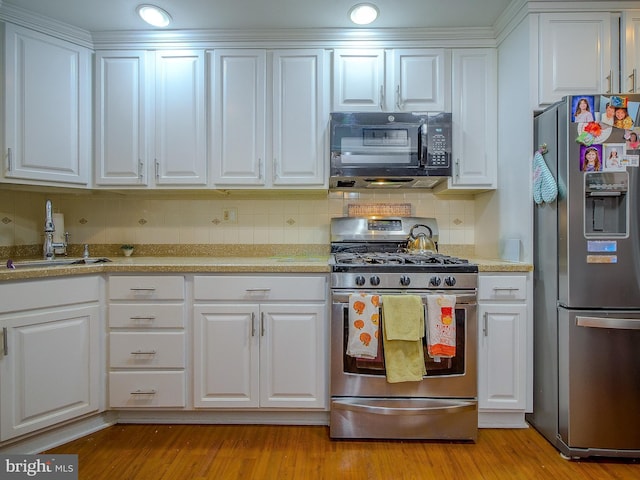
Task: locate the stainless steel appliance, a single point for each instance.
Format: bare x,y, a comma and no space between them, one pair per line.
587,286
369,256
389,150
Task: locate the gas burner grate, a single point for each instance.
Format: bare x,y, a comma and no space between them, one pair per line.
386,258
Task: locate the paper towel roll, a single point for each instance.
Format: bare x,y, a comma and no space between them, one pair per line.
58,222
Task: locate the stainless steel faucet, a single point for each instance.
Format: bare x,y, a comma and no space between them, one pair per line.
48,249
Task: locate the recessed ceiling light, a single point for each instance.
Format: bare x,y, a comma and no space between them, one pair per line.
363,13
154,15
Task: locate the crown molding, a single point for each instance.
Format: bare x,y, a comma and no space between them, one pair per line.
42,24
324,38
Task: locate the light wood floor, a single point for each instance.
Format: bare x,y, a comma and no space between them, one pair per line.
194,452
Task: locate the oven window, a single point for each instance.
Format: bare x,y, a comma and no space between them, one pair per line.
434,367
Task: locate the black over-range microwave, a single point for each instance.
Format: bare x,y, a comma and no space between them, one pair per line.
389,150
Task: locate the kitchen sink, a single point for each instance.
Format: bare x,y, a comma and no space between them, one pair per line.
57,262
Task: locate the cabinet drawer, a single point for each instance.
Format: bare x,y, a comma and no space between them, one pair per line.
153,287
252,288
146,315
49,292
146,349
146,389
502,287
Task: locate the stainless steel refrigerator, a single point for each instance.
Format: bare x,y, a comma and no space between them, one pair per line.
587,279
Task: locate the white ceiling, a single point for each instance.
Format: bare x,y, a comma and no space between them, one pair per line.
106,15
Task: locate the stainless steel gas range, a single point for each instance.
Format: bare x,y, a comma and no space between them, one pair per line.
369,256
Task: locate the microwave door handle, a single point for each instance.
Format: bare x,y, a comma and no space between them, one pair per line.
422,137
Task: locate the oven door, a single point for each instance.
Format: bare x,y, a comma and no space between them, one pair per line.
447,378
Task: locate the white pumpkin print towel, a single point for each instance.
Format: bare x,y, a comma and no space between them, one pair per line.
364,320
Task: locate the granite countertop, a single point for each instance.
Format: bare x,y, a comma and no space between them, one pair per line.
497,265
273,264
219,264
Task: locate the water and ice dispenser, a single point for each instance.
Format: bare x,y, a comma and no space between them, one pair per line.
606,206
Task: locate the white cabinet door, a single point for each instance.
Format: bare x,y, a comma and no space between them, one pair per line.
121,117
180,129
49,371
358,80
502,369
401,80
47,123
575,55
299,118
291,356
416,80
474,116
237,109
630,51
260,355
226,354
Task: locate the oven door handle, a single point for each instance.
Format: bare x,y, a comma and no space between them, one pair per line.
438,407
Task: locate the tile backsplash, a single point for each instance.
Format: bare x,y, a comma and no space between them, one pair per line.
213,217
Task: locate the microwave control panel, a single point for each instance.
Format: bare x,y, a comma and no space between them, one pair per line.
438,140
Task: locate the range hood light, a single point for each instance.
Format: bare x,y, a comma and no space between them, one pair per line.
363,13
153,15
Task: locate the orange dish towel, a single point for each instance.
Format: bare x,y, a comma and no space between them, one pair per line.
441,326
364,320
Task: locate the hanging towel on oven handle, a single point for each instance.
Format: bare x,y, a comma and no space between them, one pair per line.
441,325
403,331
364,320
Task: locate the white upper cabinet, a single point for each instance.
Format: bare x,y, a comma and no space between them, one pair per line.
237,112
150,118
260,140
121,117
474,117
47,118
574,54
358,80
376,80
299,118
418,80
630,51
180,129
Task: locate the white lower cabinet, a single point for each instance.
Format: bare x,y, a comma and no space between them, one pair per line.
502,349
50,369
147,342
260,341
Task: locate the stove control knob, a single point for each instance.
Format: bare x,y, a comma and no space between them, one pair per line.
450,281
435,281
360,280
375,280
405,280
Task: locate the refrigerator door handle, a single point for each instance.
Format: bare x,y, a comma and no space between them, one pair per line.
615,323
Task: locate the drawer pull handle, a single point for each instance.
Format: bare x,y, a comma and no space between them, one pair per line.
150,319
507,289
251,290
142,352
153,391
143,289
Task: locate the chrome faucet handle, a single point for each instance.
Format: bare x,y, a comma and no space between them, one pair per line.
48,221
